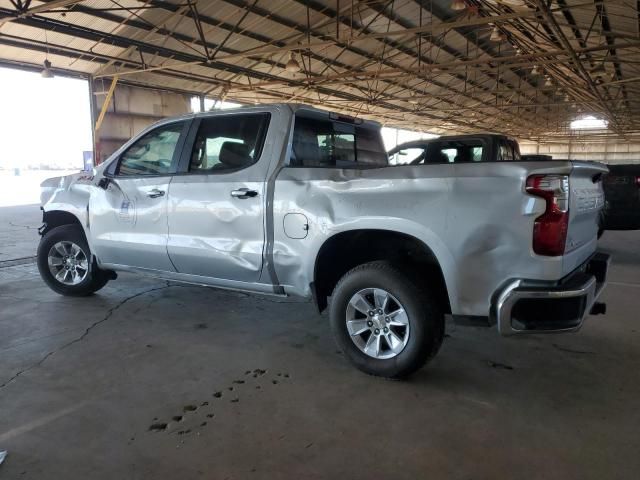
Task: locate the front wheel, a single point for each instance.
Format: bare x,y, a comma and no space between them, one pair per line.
64,262
383,322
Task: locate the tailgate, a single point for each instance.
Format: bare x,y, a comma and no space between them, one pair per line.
586,199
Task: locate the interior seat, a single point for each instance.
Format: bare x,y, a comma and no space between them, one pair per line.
235,155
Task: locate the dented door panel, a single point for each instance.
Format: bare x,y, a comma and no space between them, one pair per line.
212,233
216,231
129,223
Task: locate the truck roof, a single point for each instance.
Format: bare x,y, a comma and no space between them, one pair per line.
294,107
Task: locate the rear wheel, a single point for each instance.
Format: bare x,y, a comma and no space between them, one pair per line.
384,323
64,262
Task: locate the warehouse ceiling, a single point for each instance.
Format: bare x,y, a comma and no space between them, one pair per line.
523,67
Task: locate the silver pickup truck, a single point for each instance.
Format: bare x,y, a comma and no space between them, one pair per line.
291,200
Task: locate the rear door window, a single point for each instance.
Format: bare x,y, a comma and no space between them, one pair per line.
228,142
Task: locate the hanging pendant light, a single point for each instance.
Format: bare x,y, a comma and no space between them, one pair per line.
548,83
535,70
458,5
496,35
292,65
46,71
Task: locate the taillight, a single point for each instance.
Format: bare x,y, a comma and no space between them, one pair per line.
550,228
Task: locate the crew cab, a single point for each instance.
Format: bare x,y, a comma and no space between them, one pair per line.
291,200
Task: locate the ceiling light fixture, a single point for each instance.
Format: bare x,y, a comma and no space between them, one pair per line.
46,71
292,65
535,70
496,35
548,83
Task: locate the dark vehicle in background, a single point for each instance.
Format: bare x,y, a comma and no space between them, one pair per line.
485,147
622,198
536,158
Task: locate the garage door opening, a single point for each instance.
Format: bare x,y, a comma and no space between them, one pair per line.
45,124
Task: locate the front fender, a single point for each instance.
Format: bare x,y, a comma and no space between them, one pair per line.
69,194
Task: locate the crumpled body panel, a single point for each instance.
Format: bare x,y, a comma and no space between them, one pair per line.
475,218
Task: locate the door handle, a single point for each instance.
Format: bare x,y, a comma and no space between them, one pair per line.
155,193
243,193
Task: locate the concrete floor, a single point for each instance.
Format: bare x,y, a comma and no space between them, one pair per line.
252,387
19,232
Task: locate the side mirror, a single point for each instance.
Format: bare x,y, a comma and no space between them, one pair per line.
104,183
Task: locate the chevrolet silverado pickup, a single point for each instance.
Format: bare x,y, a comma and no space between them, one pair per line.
291,200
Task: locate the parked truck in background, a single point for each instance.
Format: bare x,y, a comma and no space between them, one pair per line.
290,200
622,198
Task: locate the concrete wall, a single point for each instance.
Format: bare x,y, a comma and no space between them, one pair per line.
130,110
579,148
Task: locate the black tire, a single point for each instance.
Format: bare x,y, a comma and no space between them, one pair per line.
94,280
425,317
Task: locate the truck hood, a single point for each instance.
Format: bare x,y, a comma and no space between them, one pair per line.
53,185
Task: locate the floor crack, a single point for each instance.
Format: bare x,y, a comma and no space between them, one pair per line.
573,350
28,227
108,315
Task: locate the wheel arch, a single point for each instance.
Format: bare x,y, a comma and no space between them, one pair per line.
56,218
345,250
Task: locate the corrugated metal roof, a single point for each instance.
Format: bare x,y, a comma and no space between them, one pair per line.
408,63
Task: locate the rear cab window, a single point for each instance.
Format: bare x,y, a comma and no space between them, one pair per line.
408,156
335,142
456,151
508,151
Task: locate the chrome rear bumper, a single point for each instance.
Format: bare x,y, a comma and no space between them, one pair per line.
538,307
